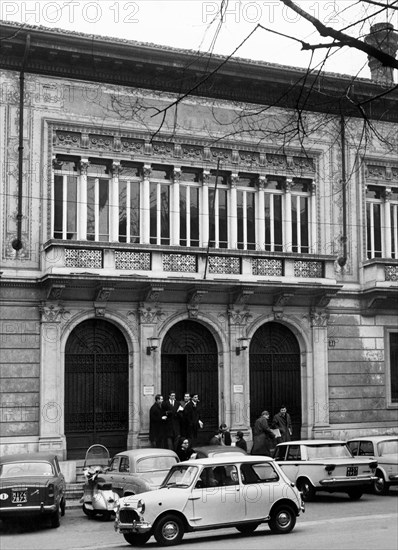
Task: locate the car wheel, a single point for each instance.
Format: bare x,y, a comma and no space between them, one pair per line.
63,507
137,539
283,520
306,489
248,528
56,518
169,530
355,494
380,487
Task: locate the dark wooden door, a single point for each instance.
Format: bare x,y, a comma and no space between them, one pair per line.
96,388
275,376
190,364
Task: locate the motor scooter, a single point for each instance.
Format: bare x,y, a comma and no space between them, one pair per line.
98,497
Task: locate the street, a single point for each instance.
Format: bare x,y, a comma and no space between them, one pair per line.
331,521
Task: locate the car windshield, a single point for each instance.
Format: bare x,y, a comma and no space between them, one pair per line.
22,469
153,463
180,476
328,451
388,447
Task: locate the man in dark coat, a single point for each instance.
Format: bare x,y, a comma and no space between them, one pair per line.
157,423
262,436
170,407
283,423
183,403
225,435
192,417
241,441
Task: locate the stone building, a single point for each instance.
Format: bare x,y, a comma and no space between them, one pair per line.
173,222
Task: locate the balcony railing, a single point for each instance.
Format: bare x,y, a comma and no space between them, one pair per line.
64,257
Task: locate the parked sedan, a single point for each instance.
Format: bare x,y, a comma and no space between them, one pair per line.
210,493
384,448
138,470
325,465
32,484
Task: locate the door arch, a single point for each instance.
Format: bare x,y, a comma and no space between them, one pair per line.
190,363
275,373
96,388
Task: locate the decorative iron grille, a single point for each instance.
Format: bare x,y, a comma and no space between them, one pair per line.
137,261
180,262
224,264
77,257
391,272
308,269
264,266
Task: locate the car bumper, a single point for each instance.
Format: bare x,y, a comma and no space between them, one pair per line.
347,481
133,527
393,478
28,510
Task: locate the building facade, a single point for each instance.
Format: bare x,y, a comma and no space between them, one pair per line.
167,230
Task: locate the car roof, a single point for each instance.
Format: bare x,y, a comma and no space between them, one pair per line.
39,456
217,460
147,452
375,438
313,442
219,449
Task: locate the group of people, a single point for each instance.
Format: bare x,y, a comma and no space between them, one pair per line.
171,421
267,434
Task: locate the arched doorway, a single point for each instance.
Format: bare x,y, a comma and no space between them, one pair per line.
190,363
275,377
96,388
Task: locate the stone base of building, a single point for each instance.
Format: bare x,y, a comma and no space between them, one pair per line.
53,444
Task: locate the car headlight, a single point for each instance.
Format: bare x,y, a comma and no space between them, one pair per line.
140,506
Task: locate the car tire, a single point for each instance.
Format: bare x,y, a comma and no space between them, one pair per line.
56,518
380,487
137,539
283,520
355,494
169,530
63,507
306,489
248,528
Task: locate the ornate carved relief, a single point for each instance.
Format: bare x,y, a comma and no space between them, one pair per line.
51,313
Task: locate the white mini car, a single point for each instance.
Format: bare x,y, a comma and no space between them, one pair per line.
325,465
210,493
383,448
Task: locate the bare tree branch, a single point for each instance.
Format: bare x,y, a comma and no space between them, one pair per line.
384,58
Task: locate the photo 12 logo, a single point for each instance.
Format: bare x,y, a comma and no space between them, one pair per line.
75,11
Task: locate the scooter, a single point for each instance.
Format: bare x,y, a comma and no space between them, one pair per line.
98,497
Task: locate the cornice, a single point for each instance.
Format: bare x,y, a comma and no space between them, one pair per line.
127,63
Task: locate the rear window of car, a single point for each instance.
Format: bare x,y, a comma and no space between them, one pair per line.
24,469
327,451
388,447
154,463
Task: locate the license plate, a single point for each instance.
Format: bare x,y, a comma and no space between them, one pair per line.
19,497
352,471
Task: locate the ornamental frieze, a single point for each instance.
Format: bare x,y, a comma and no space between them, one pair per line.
53,313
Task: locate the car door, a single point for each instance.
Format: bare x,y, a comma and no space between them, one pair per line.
115,476
291,461
261,487
216,497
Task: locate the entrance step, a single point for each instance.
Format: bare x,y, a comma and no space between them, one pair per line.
74,491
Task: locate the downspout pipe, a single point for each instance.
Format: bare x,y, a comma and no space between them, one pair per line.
342,260
17,242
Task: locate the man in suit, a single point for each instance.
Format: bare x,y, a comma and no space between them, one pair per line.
157,423
192,417
170,407
183,403
283,422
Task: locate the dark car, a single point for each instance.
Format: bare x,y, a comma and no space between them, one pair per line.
210,451
32,484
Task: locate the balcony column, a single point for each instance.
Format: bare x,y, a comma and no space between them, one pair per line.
260,213
233,213
114,202
82,201
288,244
145,205
387,222
319,326
313,233
175,207
204,218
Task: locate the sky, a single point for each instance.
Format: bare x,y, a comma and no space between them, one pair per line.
193,25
